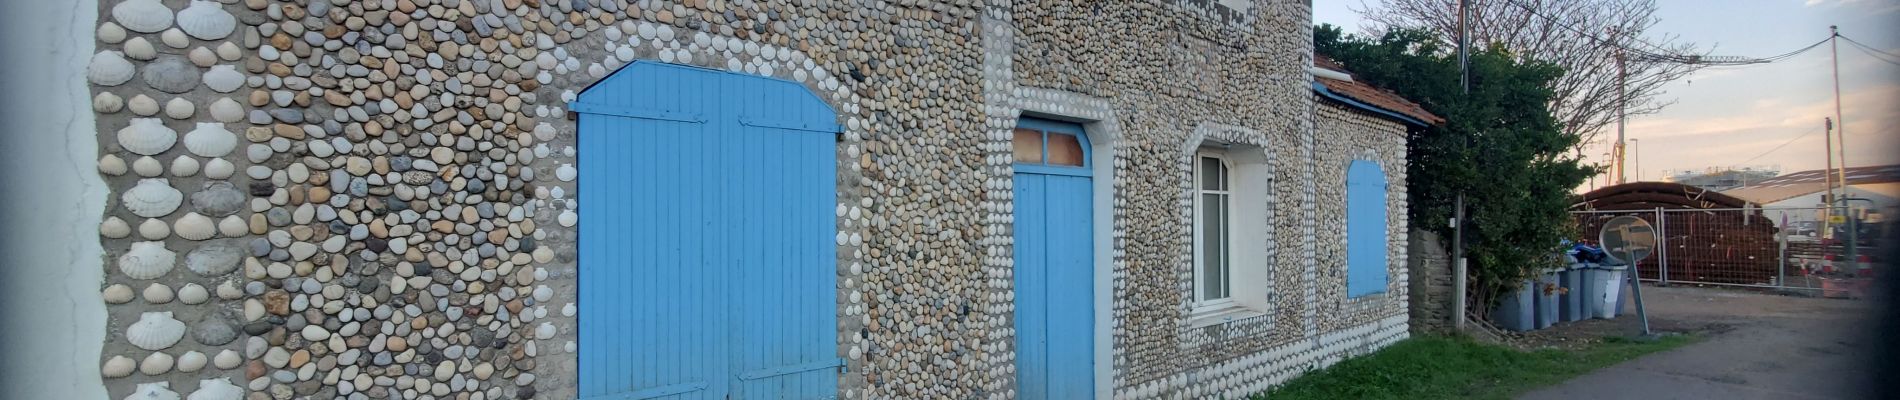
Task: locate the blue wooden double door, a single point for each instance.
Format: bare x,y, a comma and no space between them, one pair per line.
1054,261
707,262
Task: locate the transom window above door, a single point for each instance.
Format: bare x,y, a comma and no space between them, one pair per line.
1056,145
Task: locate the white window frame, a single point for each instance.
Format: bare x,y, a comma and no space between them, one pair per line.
1202,304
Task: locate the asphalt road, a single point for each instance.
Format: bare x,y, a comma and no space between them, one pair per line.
1757,346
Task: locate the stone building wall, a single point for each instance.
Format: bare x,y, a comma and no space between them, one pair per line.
370,199
1431,294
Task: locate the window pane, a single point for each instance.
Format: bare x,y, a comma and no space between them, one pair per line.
1213,269
1065,149
1027,145
1210,172
1226,268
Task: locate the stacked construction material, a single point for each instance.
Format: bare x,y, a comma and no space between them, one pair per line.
1706,236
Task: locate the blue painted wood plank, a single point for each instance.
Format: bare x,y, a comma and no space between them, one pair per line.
1366,229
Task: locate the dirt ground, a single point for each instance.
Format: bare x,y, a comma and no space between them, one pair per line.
1755,344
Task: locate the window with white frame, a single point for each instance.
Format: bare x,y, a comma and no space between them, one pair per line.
1212,210
1233,233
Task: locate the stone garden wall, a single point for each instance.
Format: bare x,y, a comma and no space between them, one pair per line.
375,199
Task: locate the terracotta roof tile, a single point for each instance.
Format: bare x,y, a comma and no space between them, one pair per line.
1371,95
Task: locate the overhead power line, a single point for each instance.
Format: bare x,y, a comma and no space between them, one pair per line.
1665,55
1877,54
1778,147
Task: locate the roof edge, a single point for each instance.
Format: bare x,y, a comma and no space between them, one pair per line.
1320,88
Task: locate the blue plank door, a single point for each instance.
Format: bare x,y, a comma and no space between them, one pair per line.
707,260
1366,230
1054,262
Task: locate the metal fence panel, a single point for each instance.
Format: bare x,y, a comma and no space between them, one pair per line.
1755,247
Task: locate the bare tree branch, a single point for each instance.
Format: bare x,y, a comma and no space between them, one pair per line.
1587,96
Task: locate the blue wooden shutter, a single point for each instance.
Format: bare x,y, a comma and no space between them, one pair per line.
1365,229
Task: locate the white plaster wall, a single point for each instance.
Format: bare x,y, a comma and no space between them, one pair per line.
52,320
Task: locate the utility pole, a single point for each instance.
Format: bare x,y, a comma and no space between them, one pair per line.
1637,149
1458,204
1827,175
1833,41
1622,103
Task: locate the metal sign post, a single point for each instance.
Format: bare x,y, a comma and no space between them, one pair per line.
1634,239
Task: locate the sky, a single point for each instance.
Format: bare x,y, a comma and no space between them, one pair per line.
1738,116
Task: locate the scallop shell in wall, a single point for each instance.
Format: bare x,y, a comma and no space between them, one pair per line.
109,68
192,361
157,363
226,359
215,331
154,229
216,389
155,331
147,260
184,166
179,108
210,140
110,33
140,49
114,228
147,166
207,20
215,258
226,110
152,198
217,199
112,165
153,391
232,226
118,367
143,16
218,168
174,38
224,78
147,136
193,293
107,103
172,74
195,226
142,105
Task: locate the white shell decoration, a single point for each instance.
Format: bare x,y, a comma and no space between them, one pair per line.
158,293
174,38
153,391
224,78
147,260
226,359
229,51
229,291
184,166
147,136
142,106
201,56
118,367
233,226
157,363
216,389
118,293
568,218
192,361
107,103
218,168
226,110
156,330
152,198
112,165
114,228
210,140
109,68
179,108
139,49
147,166
110,33
143,16
205,19
566,172
195,226
154,229
193,293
